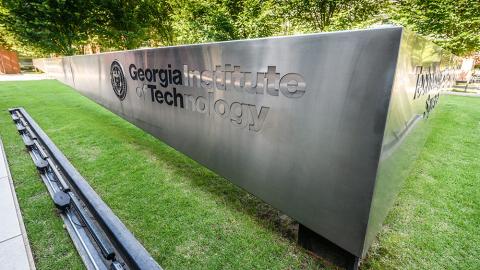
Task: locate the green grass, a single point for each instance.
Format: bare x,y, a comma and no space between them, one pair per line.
435,223
190,218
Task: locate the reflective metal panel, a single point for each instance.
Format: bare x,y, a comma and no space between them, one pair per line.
423,71
297,121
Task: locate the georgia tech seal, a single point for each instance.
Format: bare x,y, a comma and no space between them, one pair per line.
119,83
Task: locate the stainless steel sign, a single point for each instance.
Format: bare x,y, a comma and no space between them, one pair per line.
324,127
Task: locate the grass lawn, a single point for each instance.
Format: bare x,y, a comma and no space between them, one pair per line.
190,218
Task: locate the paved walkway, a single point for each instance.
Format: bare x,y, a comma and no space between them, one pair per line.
22,77
15,251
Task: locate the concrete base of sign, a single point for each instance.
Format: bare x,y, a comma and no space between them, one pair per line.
325,249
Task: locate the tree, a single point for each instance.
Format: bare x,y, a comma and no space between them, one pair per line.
328,15
68,26
453,24
52,26
129,24
196,21
255,18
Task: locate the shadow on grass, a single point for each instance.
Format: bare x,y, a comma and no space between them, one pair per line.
235,197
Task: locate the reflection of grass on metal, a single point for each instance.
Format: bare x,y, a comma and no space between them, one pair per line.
189,218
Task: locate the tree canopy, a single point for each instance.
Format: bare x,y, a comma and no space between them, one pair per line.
65,27
453,24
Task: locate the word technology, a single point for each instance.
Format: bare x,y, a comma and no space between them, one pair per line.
240,114
320,126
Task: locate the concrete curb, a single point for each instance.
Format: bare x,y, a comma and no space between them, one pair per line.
15,251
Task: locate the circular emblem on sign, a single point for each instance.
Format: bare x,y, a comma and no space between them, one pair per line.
119,83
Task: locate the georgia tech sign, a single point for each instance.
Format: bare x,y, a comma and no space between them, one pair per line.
320,126
160,85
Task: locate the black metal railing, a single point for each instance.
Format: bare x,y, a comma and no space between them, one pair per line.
101,239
